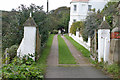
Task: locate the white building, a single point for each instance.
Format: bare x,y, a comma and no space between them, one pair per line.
79,9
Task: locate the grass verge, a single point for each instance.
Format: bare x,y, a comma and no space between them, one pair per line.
79,47
65,56
41,63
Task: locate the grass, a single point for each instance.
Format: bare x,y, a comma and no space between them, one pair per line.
79,47
41,63
65,56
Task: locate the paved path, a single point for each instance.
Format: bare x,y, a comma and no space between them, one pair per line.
84,71
53,57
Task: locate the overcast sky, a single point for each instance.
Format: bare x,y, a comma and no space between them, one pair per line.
53,4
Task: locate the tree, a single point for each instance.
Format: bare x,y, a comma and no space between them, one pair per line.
77,25
109,11
92,22
59,18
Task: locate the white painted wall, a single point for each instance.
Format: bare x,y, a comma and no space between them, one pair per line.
28,43
103,44
80,41
77,33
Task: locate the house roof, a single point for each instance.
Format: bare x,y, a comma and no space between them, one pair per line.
80,0
104,25
30,22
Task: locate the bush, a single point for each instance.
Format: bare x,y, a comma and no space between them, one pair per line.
21,68
54,32
12,51
77,25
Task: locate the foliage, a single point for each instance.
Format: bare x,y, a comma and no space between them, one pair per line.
11,32
92,22
109,11
65,56
112,69
59,18
12,51
77,25
21,68
54,32
79,47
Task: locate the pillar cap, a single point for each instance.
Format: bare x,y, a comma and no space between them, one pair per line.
104,25
30,22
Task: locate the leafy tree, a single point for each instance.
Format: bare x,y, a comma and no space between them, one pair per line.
109,11
59,18
92,22
77,25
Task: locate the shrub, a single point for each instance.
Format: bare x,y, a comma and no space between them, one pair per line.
54,32
77,25
12,51
21,68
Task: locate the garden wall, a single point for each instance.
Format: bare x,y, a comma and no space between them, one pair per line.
80,41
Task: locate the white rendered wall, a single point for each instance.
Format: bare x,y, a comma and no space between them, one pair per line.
77,33
80,41
103,44
28,43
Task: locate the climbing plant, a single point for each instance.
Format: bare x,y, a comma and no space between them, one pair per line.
77,25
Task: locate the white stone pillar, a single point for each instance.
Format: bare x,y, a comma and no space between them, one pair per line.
103,41
28,44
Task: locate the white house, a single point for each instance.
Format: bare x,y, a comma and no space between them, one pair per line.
79,9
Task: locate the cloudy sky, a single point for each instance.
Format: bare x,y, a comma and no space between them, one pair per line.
53,4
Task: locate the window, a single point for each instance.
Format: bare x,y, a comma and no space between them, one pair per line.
89,7
74,20
75,7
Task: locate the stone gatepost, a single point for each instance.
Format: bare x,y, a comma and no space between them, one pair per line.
103,41
114,56
31,41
